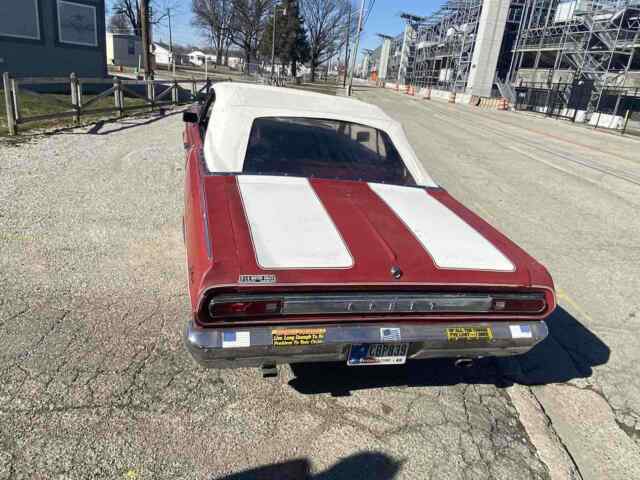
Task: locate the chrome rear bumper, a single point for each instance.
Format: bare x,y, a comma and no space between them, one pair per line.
426,341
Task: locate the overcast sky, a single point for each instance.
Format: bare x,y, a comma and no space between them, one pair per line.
384,18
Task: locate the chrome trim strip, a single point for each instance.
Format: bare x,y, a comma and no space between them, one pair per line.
205,217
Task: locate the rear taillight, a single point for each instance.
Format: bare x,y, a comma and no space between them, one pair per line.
237,307
518,305
244,308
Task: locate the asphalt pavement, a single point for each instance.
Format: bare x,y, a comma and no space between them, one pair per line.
95,381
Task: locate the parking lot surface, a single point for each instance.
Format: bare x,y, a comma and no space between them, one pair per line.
95,381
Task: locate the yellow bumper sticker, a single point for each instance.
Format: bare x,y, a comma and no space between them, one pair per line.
285,337
471,334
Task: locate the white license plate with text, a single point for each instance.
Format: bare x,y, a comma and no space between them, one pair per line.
378,354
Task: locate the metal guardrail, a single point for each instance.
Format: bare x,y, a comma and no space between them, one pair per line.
170,94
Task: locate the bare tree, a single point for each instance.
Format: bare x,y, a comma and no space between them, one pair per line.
327,23
118,23
248,24
130,10
213,17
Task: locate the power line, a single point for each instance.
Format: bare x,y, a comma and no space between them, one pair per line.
373,2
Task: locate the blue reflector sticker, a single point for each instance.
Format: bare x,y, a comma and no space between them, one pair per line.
235,339
521,331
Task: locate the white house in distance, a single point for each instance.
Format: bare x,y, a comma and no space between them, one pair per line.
162,54
123,49
198,57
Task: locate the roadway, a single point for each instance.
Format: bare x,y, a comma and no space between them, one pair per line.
95,382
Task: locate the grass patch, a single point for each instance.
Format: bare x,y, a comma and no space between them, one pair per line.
32,104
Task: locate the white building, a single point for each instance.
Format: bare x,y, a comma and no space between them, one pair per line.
197,57
123,49
162,54
235,62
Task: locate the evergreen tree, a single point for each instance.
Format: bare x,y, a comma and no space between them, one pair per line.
292,46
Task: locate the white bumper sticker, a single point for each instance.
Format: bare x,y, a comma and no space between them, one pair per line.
234,339
520,331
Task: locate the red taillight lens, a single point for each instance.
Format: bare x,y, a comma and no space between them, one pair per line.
245,309
518,305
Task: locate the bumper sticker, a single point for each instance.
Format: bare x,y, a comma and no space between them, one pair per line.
234,339
390,334
520,331
469,334
285,337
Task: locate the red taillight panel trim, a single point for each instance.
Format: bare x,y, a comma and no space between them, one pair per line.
516,305
244,309
287,307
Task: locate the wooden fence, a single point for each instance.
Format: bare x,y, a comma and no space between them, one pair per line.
171,92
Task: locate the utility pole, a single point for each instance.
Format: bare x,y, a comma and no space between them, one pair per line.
346,50
173,57
355,53
146,40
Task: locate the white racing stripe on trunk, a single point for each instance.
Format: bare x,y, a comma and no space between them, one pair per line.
450,241
290,227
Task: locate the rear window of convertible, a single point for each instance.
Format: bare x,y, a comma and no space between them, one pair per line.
310,147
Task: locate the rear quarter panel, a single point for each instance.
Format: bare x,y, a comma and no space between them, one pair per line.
195,233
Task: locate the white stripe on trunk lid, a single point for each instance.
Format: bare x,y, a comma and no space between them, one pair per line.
290,227
448,239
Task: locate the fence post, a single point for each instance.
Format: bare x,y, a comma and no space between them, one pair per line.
194,88
116,95
74,96
121,98
152,92
147,88
15,87
175,94
11,122
79,94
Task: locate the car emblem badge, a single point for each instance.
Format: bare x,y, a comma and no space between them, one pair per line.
257,279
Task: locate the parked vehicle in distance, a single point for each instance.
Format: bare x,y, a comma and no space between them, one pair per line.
314,233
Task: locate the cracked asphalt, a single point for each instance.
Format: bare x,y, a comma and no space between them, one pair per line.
95,382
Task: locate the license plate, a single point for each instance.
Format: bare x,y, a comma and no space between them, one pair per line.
378,354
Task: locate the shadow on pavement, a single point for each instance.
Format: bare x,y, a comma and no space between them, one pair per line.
570,351
369,466
125,123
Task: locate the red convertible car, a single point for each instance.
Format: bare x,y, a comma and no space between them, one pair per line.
314,233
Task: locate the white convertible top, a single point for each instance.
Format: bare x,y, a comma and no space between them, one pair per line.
237,105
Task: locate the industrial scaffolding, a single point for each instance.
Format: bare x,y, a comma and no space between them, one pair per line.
586,45
393,67
563,57
444,42
444,45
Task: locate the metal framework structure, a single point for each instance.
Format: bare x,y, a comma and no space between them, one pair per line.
393,67
579,55
444,45
578,41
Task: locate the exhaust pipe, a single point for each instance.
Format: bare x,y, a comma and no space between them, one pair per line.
269,371
464,362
